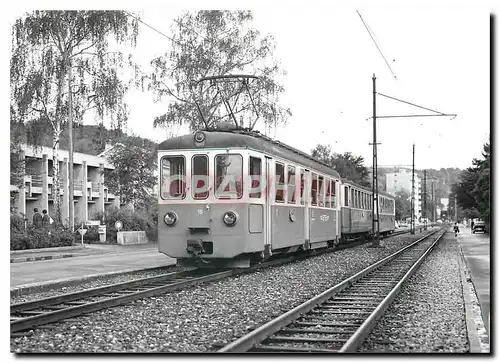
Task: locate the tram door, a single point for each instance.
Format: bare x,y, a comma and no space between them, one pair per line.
267,208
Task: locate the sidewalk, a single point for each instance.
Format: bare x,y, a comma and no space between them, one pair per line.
88,262
476,252
74,251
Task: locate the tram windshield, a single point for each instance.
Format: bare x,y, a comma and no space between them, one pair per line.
173,177
228,176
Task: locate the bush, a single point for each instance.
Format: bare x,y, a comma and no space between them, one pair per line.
132,221
40,238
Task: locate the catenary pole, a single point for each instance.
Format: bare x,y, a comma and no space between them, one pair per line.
413,193
375,208
425,200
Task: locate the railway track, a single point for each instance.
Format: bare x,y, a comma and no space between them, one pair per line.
27,315
339,319
40,313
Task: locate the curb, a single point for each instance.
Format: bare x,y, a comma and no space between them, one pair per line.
472,331
49,249
45,286
40,258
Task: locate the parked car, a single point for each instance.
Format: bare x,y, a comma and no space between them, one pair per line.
479,226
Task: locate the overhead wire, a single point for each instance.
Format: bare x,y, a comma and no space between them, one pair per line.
376,44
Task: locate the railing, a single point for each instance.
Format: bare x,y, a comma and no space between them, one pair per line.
36,180
77,185
95,187
31,171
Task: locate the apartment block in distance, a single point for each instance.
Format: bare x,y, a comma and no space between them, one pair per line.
401,180
90,193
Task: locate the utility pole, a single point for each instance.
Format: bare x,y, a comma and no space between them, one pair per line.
456,210
425,200
413,193
375,209
433,215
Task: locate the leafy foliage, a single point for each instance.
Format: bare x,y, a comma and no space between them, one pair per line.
473,188
132,221
63,55
210,43
133,178
31,238
402,204
347,165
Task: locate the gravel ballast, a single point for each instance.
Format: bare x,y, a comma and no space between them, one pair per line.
194,319
101,281
428,315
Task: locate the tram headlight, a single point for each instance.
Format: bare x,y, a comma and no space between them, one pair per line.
170,218
230,218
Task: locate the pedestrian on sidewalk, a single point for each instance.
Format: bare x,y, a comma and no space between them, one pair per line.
37,219
472,225
45,219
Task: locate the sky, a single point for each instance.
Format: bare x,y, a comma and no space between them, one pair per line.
439,52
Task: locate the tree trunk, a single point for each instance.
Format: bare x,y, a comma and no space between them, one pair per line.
56,186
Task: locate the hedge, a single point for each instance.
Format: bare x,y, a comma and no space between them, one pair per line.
40,238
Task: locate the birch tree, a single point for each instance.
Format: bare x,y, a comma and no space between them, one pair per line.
213,43
62,67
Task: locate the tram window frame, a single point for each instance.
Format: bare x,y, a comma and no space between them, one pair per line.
217,185
328,203
162,183
279,181
321,190
206,193
291,182
346,196
251,162
333,196
314,189
302,186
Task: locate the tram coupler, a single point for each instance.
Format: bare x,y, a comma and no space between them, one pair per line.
195,246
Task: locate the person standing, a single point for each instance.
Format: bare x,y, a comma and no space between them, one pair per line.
45,219
37,219
472,225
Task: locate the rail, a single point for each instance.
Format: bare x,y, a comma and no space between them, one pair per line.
340,318
27,315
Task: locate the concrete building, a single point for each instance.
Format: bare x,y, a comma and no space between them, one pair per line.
402,180
90,194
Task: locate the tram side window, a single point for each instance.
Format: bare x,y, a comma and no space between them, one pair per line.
173,177
333,194
255,176
314,189
291,185
346,196
302,186
280,182
321,191
328,198
199,177
228,176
